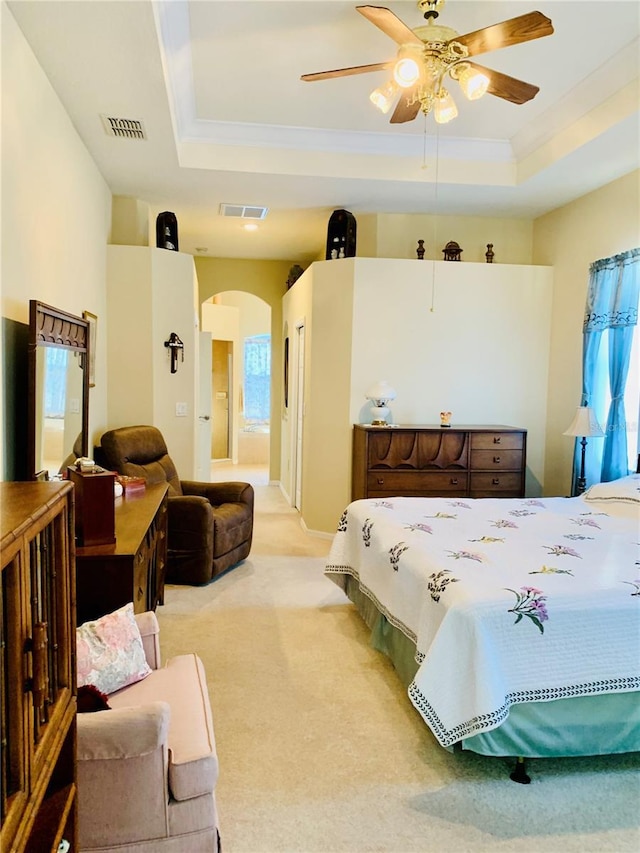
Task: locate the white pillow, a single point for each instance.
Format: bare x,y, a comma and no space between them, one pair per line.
626,489
110,654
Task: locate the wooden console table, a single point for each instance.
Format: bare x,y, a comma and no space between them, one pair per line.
132,568
482,461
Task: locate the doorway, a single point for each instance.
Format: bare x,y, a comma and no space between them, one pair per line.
240,326
221,395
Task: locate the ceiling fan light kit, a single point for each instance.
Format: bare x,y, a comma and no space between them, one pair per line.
384,96
428,53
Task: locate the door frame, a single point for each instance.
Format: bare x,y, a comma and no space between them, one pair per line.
298,412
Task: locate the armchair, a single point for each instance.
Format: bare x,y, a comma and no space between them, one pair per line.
147,768
210,525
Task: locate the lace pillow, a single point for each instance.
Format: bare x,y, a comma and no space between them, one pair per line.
110,653
626,489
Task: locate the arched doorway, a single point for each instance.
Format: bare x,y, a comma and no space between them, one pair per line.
240,327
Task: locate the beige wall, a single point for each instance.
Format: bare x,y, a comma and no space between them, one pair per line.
598,225
397,236
326,473
56,207
153,292
297,310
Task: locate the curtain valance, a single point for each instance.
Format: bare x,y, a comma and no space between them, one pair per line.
612,296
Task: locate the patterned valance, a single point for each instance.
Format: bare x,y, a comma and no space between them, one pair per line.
612,297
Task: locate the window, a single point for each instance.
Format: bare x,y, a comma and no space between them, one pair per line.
56,382
257,379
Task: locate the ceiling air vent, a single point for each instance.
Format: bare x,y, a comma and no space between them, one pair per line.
243,211
124,128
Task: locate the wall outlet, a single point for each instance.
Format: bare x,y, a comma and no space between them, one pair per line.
181,410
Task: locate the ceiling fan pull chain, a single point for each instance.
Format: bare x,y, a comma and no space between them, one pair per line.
424,145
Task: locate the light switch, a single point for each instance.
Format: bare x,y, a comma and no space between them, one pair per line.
74,405
181,410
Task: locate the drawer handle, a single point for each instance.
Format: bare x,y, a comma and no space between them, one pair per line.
381,481
496,481
453,481
496,459
496,439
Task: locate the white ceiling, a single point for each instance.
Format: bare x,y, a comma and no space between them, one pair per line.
217,87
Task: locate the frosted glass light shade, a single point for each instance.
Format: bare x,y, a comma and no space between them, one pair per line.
384,96
473,83
444,108
381,393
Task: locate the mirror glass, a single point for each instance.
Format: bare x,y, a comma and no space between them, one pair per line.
59,390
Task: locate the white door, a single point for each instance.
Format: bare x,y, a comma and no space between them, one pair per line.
203,408
299,415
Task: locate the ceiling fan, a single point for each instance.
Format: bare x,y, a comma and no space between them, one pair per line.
426,54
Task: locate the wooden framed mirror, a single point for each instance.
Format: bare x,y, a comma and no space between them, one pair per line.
58,405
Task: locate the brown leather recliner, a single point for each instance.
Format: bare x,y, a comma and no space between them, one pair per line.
210,524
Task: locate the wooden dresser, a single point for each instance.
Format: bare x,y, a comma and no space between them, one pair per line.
38,795
432,461
133,567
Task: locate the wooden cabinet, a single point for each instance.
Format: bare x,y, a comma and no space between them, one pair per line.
432,461
131,569
38,796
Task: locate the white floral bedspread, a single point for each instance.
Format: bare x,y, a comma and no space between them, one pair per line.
506,600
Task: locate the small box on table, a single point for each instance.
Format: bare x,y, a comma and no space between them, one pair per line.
95,506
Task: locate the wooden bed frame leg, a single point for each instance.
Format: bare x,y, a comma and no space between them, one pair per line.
519,773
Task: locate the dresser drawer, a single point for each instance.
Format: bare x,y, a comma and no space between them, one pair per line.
496,460
497,440
498,485
418,483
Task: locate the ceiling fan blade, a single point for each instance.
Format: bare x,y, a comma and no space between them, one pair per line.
508,88
403,112
389,23
347,72
533,25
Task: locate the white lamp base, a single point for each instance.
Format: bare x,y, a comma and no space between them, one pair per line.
380,415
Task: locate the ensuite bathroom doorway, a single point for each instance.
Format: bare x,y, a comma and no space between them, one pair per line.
240,327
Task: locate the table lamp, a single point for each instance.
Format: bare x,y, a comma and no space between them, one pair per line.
380,394
584,424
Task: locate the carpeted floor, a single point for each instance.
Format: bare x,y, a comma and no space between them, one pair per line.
320,748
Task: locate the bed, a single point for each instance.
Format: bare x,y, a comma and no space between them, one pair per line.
514,623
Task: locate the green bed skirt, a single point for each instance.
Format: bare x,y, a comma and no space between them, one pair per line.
585,725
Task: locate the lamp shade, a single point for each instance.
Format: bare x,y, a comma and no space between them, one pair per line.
381,393
584,423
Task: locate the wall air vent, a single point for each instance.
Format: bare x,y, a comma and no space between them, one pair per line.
243,211
123,128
